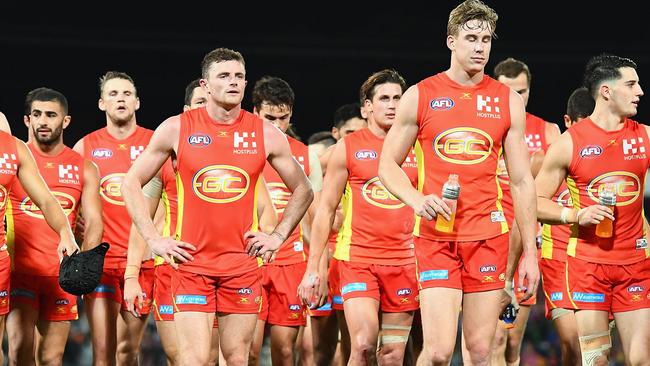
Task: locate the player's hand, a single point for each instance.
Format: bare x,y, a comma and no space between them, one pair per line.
259,244
172,250
528,275
133,296
593,215
508,296
67,246
310,288
430,206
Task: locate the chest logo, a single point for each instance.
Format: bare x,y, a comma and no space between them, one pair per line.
67,202
628,187
463,145
377,195
110,188
220,183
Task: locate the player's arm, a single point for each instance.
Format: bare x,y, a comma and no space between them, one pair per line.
316,180
91,207
333,187
40,194
522,187
280,158
4,124
160,148
552,132
266,214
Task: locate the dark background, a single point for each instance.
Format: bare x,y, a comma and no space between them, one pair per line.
325,51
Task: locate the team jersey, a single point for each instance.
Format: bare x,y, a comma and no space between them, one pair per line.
219,167
291,251
609,157
32,243
556,237
461,129
114,158
169,199
535,136
377,227
9,164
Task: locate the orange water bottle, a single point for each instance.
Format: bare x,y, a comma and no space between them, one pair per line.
607,197
450,193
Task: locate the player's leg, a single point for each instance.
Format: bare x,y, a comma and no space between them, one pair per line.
50,342
130,329
304,345
214,345
20,331
594,336
567,330
394,333
260,327
516,336
236,334
167,333
5,274
634,338
103,307
163,312
324,331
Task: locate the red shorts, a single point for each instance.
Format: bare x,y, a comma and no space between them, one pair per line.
5,275
44,294
280,302
334,280
111,286
240,294
394,287
608,287
554,285
471,266
162,293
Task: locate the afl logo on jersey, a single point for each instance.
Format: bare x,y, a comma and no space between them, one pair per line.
377,195
442,104
3,196
365,155
463,145
628,187
220,183
110,188
67,202
591,151
279,195
102,153
199,140
564,199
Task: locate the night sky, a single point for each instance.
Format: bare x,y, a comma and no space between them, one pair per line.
325,51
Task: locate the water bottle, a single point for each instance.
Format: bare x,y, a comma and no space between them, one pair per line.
607,197
450,193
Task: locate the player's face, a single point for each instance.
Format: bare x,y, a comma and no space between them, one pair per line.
626,92
199,98
279,116
471,47
350,126
384,103
119,101
226,83
46,122
518,84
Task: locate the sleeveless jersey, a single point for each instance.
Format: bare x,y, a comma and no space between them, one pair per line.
556,237
9,164
169,199
32,242
461,129
291,251
609,157
219,168
114,158
377,227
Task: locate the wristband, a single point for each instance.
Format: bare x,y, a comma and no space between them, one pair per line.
131,271
564,216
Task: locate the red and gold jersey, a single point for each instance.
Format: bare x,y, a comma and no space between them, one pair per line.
535,135
114,158
556,237
32,243
9,164
219,168
461,130
292,250
377,227
609,157
169,199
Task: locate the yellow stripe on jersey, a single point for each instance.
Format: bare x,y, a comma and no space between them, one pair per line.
575,228
179,206
344,238
547,242
645,231
419,159
504,223
11,230
168,219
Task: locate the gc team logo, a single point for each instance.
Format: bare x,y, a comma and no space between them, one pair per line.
628,187
564,199
220,183
66,201
279,195
3,196
463,145
377,195
110,188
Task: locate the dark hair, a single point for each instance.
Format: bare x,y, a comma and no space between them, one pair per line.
511,68
471,10
219,55
109,75
45,95
385,76
345,113
324,137
274,91
189,90
602,68
580,104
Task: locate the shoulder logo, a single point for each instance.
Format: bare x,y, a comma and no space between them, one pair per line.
102,153
199,140
365,155
442,104
591,151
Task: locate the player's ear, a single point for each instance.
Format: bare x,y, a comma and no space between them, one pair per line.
66,121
